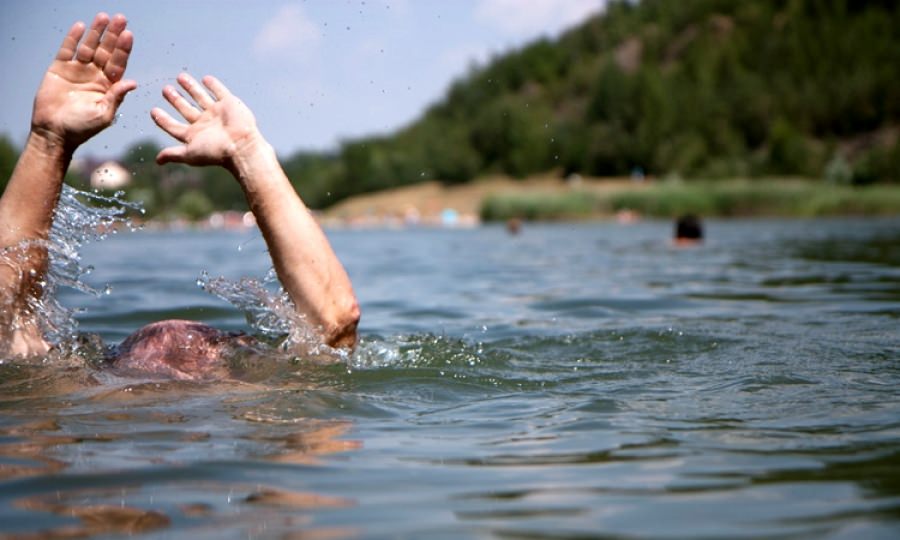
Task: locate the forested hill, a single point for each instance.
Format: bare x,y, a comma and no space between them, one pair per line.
701,89
697,88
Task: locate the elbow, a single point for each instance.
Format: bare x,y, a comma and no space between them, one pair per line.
341,333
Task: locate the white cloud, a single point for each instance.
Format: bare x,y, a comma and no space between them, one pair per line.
290,31
525,18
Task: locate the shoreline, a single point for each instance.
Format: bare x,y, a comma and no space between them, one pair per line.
550,198
547,198
432,204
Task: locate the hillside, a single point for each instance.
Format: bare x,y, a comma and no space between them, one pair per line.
692,89
695,88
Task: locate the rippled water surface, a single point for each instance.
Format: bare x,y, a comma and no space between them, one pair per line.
574,381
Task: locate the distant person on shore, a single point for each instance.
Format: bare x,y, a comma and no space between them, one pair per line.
688,230
78,98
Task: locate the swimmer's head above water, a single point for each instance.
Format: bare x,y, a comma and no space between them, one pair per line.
176,349
688,230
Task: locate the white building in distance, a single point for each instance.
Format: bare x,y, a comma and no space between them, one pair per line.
110,175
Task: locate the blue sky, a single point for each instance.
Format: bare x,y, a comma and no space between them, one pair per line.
315,72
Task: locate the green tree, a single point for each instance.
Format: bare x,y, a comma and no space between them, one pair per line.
8,157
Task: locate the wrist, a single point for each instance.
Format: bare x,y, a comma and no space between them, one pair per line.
49,143
248,154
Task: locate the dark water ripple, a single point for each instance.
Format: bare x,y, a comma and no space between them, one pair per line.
577,381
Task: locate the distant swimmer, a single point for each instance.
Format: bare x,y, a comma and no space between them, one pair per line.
78,98
688,230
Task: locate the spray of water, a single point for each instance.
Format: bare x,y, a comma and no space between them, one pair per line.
81,217
270,311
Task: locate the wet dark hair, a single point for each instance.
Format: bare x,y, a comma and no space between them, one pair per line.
688,227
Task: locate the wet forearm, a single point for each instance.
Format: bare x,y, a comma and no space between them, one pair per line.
26,213
303,258
27,205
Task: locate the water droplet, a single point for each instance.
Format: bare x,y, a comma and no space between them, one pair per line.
107,290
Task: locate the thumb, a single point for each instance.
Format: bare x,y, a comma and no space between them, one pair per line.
116,93
172,154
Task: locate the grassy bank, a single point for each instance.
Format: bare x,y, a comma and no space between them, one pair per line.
732,198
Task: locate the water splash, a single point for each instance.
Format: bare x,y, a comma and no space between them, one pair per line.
416,351
270,311
80,217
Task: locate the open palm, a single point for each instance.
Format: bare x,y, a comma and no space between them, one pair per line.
218,123
83,87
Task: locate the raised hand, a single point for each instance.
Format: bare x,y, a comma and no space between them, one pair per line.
84,85
218,124
218,129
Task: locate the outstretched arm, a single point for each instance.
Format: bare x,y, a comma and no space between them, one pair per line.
78,98
221,130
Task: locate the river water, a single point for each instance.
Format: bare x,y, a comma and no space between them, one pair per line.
573,381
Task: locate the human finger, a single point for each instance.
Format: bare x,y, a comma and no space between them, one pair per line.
172,154
115,67
117,92
201,96
70,42
216,87
86,50
110,39
168,124
184,108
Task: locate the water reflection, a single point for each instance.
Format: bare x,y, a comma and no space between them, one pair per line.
883,249
92,520
153,456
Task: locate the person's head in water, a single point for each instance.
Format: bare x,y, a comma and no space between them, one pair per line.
688,230
176,349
